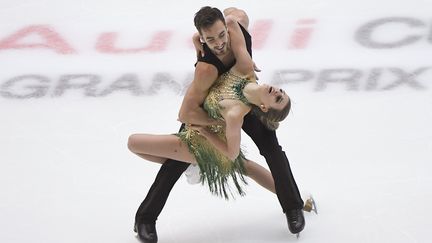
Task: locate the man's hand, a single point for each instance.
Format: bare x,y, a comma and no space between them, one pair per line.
202,130
208,122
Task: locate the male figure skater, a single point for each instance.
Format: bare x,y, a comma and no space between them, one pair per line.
218,58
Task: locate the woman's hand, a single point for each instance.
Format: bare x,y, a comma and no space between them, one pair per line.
256,69
196,40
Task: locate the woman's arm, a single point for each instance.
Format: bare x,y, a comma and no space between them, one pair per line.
196,40
233,127
234,121
244,63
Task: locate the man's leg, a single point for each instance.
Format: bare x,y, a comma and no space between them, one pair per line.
286,187
157,196
151,207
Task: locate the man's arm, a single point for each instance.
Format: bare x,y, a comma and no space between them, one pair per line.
205,74
191,111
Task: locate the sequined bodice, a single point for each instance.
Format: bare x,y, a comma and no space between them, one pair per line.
227,86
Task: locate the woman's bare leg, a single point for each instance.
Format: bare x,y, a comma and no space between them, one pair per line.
152,158
264,178
260,174
158,148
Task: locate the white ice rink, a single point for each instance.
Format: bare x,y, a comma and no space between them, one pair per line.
77,77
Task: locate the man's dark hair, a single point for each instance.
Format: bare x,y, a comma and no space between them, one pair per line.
206,17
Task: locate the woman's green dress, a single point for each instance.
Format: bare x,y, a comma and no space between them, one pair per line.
216,169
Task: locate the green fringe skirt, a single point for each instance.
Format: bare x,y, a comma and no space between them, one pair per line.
216,169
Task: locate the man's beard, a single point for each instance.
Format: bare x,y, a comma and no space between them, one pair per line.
220,51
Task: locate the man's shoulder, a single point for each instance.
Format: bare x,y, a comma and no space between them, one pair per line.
209,63
205,67
205,72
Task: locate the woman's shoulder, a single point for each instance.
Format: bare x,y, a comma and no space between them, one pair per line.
234,108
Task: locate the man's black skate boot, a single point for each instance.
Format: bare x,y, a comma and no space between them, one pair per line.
296,221
146,232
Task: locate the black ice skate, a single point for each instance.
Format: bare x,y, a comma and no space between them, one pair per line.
296,221
146,232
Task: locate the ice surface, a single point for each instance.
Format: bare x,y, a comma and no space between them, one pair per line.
359,137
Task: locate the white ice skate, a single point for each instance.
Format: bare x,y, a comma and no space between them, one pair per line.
192,174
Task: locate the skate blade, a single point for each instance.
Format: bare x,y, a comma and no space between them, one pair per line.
310,205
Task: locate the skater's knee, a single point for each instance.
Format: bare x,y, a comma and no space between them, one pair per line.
229,10
132,142
238,14
233,11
